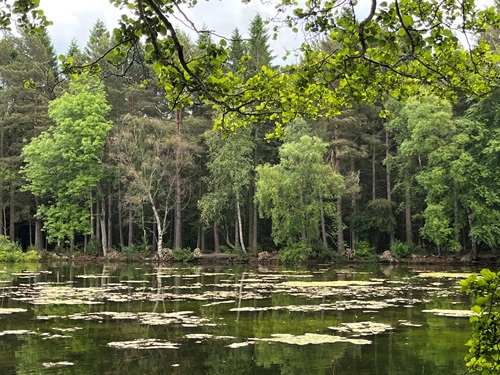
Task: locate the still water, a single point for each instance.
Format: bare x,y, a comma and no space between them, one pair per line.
145,319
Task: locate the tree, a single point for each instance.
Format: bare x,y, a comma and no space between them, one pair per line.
404,40
23,114
229,169
396,46
144,151
237,50
294,192
63,164
258,48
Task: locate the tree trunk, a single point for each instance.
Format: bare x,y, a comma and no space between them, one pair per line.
130,240
238,211
178,184
102,221
456,216
92,218
98,220
392,234
374,169
120,218
2,207
159,227
110,221
38,228
12,211
2,203
335,160
354,234
323,225
473,250
216,238
408,225
340,227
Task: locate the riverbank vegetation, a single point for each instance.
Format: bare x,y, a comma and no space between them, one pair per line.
348,160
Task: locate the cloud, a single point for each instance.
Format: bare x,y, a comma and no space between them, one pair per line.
75,18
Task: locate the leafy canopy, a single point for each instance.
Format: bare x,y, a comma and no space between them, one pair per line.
396,47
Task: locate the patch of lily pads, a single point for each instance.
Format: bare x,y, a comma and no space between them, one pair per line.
57,364
450,313
310,339
357,329
143,344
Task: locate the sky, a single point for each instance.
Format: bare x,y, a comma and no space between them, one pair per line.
76,18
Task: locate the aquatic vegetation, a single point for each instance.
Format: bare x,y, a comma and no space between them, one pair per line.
450,313
143,344
309,339
451,275
336,283
5,310
362,328
232,317
57,364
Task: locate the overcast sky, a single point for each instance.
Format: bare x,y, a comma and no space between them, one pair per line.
75,18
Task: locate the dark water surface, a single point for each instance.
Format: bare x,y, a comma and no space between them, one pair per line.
141,319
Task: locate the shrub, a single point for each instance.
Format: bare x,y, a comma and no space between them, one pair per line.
295,253
183,255
11,252
135,251
483,355
363,249
94,247
238,251
400,249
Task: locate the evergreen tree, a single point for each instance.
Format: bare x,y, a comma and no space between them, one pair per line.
258,46
237,49
27,75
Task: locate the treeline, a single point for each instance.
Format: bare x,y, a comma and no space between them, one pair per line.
101,163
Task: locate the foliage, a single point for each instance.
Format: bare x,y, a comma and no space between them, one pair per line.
183,254
293,192
93,247
135,251
238,251
12,252
484,348
363,249
63,164
400,249
295,253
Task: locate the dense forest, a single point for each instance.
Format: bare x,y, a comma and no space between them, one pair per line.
101,162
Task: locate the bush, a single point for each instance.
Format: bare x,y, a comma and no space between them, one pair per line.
238,251
483,356
295,253
363,249
135,251
400,249
11,252
183,255
94,247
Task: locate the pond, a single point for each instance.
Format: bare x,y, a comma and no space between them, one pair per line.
145,319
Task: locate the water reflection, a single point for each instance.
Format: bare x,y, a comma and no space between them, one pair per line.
72,312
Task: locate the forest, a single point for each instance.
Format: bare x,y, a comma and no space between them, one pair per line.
115,157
